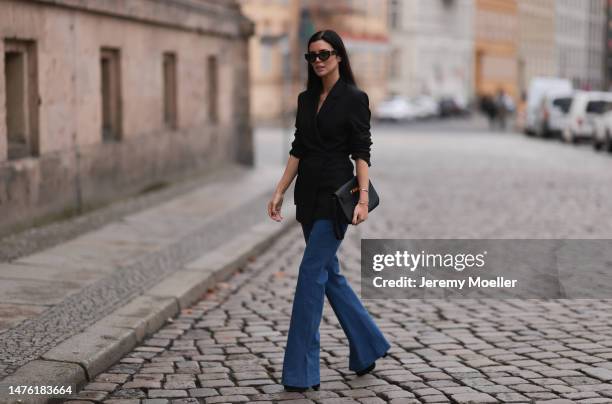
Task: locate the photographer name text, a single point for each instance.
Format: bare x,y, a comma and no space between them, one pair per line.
422,282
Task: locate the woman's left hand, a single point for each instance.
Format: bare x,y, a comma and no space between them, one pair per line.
360,213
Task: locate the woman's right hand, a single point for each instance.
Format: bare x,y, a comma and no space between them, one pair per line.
274,207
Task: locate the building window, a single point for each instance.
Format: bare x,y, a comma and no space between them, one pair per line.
213,113
21,98
170,90
111,94
395,14
395,63
266,56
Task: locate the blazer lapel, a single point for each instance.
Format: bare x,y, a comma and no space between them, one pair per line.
330,101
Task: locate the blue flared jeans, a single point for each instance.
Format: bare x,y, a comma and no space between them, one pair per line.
319,276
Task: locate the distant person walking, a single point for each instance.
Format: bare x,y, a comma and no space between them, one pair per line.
504,106
488,106
500,107
332,123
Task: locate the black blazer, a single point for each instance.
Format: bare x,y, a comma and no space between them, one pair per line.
323,142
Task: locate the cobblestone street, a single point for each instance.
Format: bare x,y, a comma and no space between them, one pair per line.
434,181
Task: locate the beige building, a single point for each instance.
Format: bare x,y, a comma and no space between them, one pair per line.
537,53
102,99
274,56
363,26
282,28
433,48
495,47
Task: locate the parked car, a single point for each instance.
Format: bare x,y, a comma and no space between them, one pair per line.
552,114
425,106
395,108
585,106
539,87
602,137
452,106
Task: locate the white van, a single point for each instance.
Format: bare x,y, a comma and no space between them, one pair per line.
580,121
539,87
552,114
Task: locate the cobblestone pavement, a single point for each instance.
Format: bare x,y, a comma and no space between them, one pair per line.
229,347
140,252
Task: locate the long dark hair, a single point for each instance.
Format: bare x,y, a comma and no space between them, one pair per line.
346,73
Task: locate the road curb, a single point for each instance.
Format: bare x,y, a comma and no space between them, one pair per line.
77,360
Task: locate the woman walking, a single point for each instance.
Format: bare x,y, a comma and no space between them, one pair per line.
332,123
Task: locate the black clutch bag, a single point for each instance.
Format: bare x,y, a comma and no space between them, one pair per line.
344,201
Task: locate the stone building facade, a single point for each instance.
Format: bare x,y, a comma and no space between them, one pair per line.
580,38
496,47
364,29
275,56
101,99
282,29
433,44
537,53
596,44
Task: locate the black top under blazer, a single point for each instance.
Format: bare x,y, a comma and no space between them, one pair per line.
323,143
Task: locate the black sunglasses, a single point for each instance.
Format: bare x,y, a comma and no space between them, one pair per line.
323,55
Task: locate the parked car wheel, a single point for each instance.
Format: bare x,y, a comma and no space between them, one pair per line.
544,132
596,143
607,143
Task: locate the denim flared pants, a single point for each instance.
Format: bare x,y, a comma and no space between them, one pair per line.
319,276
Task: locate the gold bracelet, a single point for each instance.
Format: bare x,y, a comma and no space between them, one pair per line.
363,202
364,189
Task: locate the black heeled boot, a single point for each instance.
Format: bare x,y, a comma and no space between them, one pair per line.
369,368
366,370
300,389
295,388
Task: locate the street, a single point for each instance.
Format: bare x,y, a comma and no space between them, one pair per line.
448,179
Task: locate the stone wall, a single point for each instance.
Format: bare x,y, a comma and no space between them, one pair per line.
73,167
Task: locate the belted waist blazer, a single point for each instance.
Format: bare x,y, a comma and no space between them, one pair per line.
324,142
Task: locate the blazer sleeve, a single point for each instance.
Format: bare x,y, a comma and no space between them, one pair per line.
297,146
360,139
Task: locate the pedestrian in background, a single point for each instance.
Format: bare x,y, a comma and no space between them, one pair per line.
332,124
488,106
504,106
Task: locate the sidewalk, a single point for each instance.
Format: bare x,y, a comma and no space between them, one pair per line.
70,311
